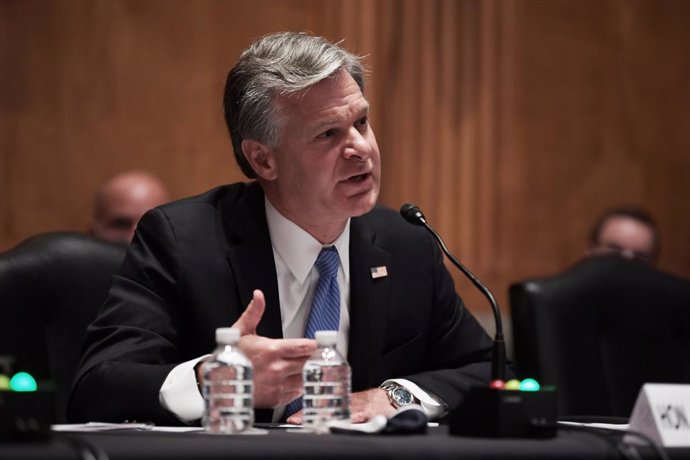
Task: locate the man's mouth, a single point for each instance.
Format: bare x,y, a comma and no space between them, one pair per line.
358,178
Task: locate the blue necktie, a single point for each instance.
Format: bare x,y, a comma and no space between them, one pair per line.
325,308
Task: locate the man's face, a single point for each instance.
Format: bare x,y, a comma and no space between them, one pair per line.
628,237
118,222
327,162
122,206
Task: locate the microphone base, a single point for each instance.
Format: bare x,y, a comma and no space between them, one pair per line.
495,413
26,416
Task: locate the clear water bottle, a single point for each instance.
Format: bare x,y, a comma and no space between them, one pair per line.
326,384
227,388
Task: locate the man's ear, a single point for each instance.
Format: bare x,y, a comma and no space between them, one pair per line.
261,159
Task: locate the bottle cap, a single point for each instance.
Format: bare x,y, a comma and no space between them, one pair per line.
324,338
227,335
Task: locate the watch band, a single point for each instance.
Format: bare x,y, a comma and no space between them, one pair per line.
398,395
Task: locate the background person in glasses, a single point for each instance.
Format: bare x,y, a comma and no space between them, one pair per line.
628,231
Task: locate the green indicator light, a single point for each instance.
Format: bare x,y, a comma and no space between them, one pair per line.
4,382
21,381
512,384
529,385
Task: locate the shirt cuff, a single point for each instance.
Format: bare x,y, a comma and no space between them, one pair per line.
180,394
432,405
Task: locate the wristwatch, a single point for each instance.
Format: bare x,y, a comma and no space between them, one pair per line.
398,395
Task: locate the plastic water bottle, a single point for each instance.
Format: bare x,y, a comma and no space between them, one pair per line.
326,384
228,388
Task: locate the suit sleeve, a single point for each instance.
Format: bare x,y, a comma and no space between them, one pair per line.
131,346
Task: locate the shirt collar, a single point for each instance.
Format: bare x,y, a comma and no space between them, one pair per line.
298,248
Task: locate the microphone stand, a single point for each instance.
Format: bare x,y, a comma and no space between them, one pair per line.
498,360
492,411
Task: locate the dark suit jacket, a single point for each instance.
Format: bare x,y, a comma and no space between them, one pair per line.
192,267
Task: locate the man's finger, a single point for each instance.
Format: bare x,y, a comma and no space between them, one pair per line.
295,348
292,366
296,418
252,315
359,417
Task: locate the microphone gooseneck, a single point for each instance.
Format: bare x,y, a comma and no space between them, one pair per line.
414,215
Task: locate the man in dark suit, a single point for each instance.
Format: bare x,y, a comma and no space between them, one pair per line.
298,120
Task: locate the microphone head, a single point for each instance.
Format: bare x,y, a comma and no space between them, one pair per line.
412,214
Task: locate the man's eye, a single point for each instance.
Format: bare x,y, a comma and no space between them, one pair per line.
121,223
362,122
326,134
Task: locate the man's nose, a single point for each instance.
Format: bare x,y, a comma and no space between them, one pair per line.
357,146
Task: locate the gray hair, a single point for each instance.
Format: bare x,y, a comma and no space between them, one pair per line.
277,64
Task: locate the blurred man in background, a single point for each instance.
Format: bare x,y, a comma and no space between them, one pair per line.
630,232
121,201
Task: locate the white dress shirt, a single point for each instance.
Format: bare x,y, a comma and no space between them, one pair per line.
294,252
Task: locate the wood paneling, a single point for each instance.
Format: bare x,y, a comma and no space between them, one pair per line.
512,123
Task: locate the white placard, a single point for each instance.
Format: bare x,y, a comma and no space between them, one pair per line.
662,412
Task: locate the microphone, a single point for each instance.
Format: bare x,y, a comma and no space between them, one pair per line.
494,411
414,215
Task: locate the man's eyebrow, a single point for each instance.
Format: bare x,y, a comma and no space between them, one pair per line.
363,110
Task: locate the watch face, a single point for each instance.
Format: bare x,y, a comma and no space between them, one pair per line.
402,396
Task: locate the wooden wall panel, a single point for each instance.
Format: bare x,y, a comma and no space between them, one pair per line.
598,119
512,123
93,87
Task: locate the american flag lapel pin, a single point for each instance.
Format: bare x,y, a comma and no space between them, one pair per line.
379,272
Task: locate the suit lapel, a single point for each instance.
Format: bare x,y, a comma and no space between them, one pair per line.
369,300
251,258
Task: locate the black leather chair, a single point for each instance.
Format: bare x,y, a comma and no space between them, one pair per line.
51,287
599,331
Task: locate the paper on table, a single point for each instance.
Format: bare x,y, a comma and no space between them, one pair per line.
101,426
608,426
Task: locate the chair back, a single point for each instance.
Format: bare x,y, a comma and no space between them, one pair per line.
599,331
51,287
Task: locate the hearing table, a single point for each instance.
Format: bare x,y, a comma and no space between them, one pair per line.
280,443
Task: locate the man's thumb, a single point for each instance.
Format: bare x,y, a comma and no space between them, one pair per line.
252,315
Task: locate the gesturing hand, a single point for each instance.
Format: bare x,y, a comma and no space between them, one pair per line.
277,363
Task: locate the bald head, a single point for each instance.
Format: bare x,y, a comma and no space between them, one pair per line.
121,201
